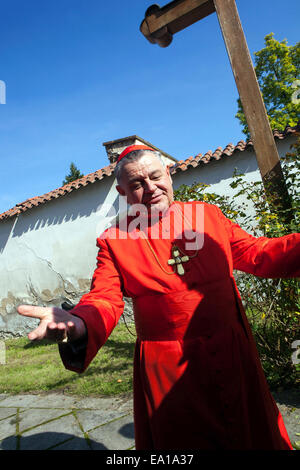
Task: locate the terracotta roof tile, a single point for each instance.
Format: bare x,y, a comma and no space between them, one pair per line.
182,165
57,193
219,153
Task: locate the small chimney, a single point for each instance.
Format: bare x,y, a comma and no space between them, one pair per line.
115,147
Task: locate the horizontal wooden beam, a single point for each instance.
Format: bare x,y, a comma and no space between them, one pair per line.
160,24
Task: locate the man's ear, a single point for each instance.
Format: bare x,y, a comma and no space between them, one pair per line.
168,173
120,190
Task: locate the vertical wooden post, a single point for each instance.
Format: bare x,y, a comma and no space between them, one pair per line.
253,104
159,26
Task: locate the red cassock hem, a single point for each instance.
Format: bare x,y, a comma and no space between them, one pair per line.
203,391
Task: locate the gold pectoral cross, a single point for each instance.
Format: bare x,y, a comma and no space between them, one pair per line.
177,260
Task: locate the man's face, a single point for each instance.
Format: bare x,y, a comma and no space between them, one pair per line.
146,181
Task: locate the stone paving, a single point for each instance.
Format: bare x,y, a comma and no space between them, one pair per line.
59,422
288,402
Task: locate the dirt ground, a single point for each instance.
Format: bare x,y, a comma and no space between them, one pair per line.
288,402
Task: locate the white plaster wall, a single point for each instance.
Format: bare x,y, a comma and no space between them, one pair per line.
48,254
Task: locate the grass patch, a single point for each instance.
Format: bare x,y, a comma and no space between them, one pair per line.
37,367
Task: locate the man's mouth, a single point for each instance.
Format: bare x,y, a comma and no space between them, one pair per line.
153,200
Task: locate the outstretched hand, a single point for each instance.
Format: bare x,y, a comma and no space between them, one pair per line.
55,324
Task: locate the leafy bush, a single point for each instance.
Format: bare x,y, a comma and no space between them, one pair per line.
272,305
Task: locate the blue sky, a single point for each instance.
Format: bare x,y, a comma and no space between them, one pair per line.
79,73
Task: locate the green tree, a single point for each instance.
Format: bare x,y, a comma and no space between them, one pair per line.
277,69
73,175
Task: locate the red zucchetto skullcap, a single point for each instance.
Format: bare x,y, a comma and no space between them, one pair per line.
131,148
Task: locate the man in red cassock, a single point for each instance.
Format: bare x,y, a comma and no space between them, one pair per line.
198,381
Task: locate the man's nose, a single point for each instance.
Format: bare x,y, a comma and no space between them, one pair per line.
149,186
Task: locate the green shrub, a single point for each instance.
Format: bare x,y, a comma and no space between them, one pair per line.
272,305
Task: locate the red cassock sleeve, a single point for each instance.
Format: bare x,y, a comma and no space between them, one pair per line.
100,309
262,256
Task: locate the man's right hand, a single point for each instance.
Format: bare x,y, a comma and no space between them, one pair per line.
55,324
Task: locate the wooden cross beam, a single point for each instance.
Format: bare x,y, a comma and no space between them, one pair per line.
159,26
